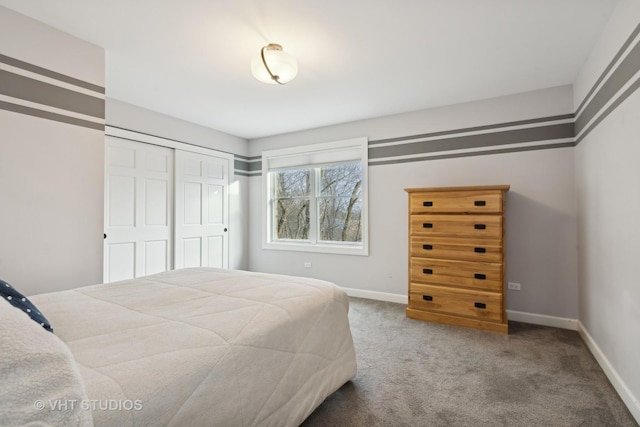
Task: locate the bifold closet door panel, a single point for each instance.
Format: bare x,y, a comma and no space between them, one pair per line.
138,209
202,210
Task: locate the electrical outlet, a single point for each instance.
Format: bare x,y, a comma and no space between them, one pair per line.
513,286
307,264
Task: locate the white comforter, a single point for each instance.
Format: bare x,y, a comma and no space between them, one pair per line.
206,347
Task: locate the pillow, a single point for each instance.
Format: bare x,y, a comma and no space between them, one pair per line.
40,382
18,300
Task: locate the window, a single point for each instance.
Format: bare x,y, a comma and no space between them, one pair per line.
316,198
332,192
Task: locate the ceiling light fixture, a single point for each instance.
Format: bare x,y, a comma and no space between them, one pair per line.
274,66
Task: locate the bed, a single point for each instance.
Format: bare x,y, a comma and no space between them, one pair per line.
194,347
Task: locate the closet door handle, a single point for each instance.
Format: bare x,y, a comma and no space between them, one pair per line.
480,226
480,305
480,203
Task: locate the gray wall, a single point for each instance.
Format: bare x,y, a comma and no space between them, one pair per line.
522,140
138,119
608,197
51,157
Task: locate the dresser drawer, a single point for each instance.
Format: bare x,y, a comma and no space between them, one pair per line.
475,275
489,201
469,249
473,304
457,225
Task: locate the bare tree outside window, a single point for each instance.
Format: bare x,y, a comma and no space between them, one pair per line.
337,194
340,203
292,191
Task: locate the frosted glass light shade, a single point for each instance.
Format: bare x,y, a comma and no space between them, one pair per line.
283,66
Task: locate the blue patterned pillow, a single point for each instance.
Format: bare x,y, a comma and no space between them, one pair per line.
18,300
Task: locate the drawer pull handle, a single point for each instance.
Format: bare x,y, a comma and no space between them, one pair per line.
427,225
427,297
480,203
427,271
480,305
427,247
479,226
480,276
427,203
480,250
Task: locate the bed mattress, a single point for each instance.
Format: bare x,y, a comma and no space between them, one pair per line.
206,346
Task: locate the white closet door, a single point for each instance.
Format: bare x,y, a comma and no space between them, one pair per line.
138,209
202,211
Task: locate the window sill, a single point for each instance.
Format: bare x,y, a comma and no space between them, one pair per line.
346,249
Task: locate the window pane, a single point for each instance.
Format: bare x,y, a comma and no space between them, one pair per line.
291,183
344,179
340,219
291,219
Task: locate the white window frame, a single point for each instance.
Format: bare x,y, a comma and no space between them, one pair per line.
311,156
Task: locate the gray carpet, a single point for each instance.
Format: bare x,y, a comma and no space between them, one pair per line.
413,373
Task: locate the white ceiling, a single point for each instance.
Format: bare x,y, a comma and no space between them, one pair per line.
357,58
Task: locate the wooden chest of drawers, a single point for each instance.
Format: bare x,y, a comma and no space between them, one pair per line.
456,256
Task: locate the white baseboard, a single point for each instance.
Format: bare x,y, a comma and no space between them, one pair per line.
378,296
542,319
625,394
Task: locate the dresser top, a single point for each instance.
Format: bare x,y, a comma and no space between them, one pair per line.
470,188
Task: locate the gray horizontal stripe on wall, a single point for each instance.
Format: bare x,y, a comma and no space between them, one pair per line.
50,116
475,153
473,129
21,87
244,163
541,133
610,66
627,93
239,164
255,166
241,173
48,73
621,76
